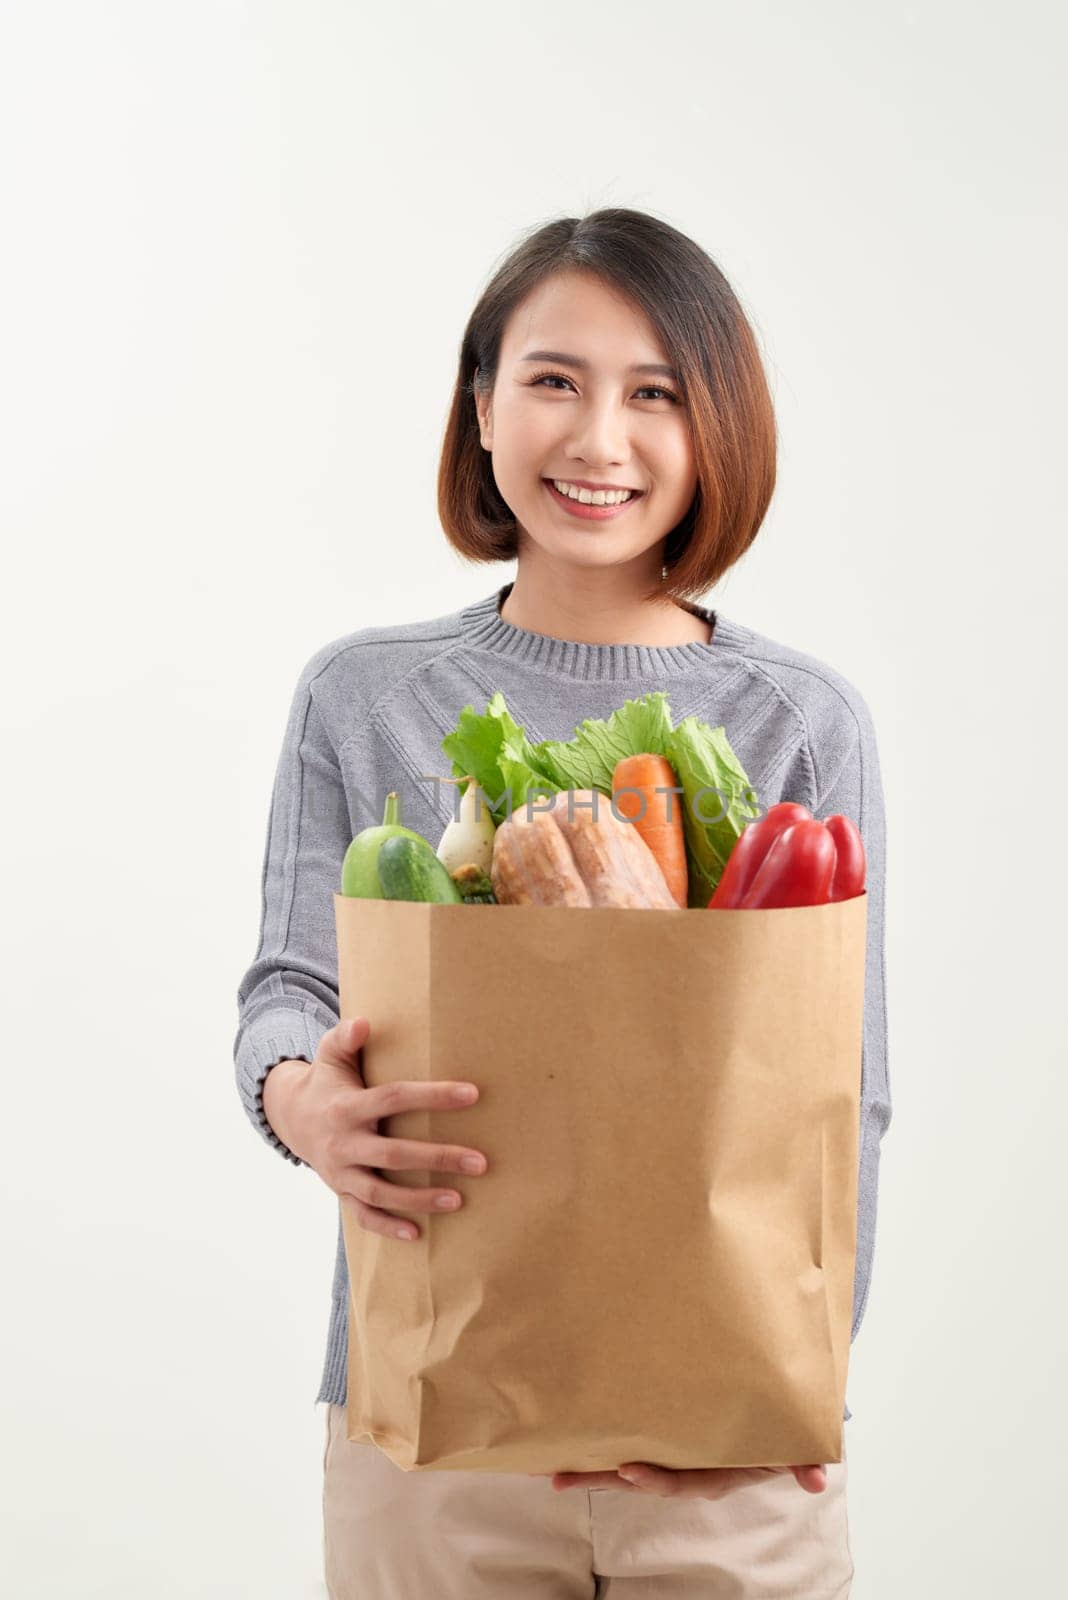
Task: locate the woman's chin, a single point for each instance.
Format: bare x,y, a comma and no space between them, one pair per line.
590,551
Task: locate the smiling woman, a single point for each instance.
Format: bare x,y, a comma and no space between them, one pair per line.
609,354
611,431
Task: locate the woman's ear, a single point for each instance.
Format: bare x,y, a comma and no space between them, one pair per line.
484,409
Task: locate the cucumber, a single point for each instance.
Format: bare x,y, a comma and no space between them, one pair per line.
408,869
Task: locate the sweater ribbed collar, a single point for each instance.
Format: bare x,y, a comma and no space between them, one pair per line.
484,627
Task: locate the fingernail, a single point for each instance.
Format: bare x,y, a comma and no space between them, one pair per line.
630,1474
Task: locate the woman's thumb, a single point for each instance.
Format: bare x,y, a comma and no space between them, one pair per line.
345,1040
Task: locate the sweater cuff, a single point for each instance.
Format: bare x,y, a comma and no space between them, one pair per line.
285,1034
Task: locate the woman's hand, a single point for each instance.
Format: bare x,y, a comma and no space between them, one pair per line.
326,1115
697,1483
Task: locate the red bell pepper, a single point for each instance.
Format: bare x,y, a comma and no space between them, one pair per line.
750,849
788,858
849,865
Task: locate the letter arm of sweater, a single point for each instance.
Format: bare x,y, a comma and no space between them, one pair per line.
849,781
288,997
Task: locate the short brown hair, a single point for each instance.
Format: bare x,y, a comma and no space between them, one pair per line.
710,344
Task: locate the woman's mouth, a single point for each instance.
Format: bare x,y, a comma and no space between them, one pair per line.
591,513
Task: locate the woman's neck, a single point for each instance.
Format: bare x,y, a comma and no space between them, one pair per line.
598,607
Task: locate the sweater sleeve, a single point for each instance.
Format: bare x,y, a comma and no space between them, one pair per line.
852,785
287,999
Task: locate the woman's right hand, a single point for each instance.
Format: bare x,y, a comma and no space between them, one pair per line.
326,1115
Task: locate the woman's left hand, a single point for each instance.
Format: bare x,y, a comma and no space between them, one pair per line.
697,1483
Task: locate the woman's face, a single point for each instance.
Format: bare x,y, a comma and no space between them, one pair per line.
589,414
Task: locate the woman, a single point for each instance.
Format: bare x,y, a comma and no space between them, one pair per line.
608,354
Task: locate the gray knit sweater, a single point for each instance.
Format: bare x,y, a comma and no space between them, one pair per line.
368,715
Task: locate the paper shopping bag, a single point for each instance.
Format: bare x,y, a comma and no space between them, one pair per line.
658,1263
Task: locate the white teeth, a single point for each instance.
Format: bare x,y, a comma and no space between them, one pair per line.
592,497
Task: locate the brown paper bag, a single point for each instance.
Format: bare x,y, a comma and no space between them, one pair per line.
658,1263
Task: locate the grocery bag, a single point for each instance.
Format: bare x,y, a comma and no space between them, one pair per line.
658,1263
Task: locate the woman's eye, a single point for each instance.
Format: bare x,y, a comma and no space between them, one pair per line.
558,377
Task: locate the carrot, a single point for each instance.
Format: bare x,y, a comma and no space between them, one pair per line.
640,777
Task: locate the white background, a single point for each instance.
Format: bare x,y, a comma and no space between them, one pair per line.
240,243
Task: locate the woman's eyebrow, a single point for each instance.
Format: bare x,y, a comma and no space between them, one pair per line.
579,361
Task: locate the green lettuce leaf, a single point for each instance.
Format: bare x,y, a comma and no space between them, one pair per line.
589,759
718,801
495,751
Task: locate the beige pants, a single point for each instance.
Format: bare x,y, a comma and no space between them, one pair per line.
395,1535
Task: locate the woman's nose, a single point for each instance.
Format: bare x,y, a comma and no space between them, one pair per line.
600,438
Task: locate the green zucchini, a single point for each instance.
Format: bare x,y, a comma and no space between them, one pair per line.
408,869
